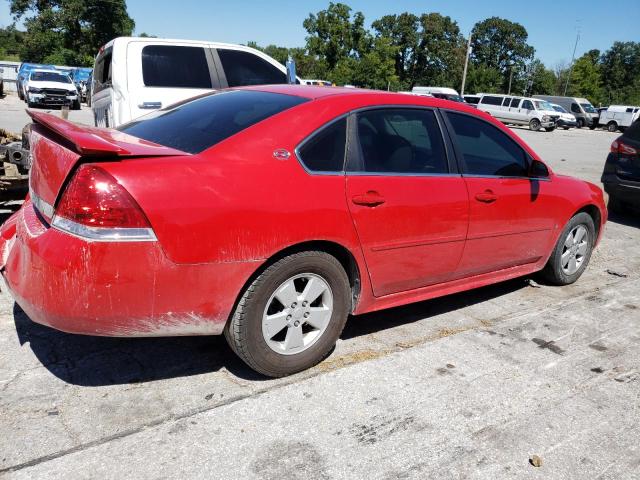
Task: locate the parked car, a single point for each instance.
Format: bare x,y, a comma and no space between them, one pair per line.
618,117
439,92
566,120
151,73
80,76
519,111
471,99
321,83
586,115
621,175
51,88
23,76
260,244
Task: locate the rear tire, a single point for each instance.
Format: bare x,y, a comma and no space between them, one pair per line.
269,335
580,123
612,127
571,254
534,124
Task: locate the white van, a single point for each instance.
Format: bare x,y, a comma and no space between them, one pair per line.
619,116
519,110
439,92
133,76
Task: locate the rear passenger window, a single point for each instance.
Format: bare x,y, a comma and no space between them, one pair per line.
324,151
102,73
399,140
526,104
485,149
244,68
490,100
174,66
506,101
515,102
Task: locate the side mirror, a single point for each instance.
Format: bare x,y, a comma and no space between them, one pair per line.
537,169
291,71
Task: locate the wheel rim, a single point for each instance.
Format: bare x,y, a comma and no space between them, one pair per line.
297,314
574,250
535,124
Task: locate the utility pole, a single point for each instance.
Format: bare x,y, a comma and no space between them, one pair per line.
466,64
566,84
510,78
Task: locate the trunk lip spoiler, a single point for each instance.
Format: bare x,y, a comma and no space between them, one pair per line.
94,141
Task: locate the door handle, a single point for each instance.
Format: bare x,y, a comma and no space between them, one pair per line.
369,199
150,105
486,197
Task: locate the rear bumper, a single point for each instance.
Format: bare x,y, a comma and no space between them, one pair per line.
110,288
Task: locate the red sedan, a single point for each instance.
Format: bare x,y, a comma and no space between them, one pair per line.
270,214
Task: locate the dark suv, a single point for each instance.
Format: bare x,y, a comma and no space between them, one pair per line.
621,175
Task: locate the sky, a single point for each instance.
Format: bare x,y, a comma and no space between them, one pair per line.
552,24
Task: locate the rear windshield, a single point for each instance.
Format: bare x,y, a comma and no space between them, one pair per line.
195,125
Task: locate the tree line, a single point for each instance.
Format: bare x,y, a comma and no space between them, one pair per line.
397,52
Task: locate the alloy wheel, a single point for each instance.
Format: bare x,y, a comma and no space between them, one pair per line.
575,248
297,314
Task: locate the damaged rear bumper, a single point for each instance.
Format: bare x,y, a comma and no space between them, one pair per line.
110,288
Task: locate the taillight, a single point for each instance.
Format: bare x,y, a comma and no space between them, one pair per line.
618,146
95,206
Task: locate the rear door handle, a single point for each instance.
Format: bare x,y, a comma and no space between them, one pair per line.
369,199
486,197
150,105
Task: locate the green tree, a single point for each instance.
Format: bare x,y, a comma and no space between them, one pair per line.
543,79
69,31
621,73
500,44
334,34
482,79
586,77
441,51
402,33
11,40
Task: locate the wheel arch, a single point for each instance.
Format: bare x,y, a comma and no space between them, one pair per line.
594,212
340,252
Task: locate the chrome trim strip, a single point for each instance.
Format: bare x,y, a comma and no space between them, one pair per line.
100,234
43,207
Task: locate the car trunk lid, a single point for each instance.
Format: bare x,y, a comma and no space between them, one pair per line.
58,146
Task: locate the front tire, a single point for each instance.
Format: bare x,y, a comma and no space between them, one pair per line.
571,254
290,317
534,124
75,105
612,127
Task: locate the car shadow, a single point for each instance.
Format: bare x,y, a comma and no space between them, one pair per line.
393,317
628,217
92,361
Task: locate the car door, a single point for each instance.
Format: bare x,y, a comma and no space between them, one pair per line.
509,221
526,112
160,75
408,202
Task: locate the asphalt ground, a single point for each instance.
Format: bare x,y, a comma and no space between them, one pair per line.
471,385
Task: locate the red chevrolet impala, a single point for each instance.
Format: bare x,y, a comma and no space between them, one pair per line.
270,214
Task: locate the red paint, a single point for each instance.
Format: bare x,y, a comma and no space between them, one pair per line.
220,215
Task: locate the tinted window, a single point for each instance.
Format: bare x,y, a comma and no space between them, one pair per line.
489,100
197,124
102,71
173,66
400,141
506,101
575,108
527,105
515,102
244,68
485,149
324,151
473,100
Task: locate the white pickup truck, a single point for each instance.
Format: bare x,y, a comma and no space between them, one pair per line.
133,76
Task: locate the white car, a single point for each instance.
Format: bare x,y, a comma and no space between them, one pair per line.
519,110
445,93
133,76
566,120
49,88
